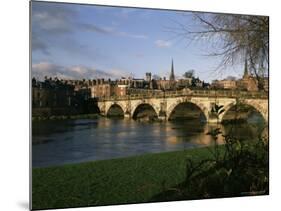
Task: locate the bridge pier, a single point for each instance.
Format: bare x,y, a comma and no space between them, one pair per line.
162,118
103,114
210,118
127,115
162,115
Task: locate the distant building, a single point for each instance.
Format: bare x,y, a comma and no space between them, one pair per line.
83,94
163,84
183,83
121,90
266,84
102,90
51,93
224,84
53,97
196,82
248,82
138,83
148,76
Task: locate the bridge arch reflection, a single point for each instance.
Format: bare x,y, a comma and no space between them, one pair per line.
243,111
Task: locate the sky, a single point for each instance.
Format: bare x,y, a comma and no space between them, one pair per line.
74,41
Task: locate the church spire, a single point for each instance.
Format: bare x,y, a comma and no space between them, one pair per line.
246,73
172,75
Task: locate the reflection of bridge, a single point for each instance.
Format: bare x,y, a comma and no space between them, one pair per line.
164,103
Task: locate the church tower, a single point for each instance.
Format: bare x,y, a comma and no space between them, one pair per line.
246,73
172,75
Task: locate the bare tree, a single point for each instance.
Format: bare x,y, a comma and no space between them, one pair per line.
234,38
189,74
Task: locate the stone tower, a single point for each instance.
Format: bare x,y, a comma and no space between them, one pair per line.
148,76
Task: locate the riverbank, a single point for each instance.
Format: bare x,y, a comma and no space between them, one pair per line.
118,181
65,117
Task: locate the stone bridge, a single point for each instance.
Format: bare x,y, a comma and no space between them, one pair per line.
164,103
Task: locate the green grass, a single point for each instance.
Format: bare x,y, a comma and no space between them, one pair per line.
117,181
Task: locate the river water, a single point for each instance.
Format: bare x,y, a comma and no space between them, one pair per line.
73,141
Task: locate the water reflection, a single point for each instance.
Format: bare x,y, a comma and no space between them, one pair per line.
72,141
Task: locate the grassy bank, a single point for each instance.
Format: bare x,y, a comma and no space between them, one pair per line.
64,117
118,181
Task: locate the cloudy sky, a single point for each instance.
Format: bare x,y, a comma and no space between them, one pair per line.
85,41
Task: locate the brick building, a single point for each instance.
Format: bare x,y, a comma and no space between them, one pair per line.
51,93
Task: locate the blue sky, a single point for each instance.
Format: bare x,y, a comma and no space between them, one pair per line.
86,41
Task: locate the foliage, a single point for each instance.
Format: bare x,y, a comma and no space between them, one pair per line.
233,38
189,74
216,110
242,169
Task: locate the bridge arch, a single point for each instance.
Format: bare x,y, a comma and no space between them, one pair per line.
140,108
193,105
250,105
115,109
101,107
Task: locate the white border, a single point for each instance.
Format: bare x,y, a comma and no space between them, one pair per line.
14,177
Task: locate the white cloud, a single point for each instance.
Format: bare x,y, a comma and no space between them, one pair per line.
110,30
163,43
42,69
126,34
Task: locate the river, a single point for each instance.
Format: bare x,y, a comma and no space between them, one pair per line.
73,141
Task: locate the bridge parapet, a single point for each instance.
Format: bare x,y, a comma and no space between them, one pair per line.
192,93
